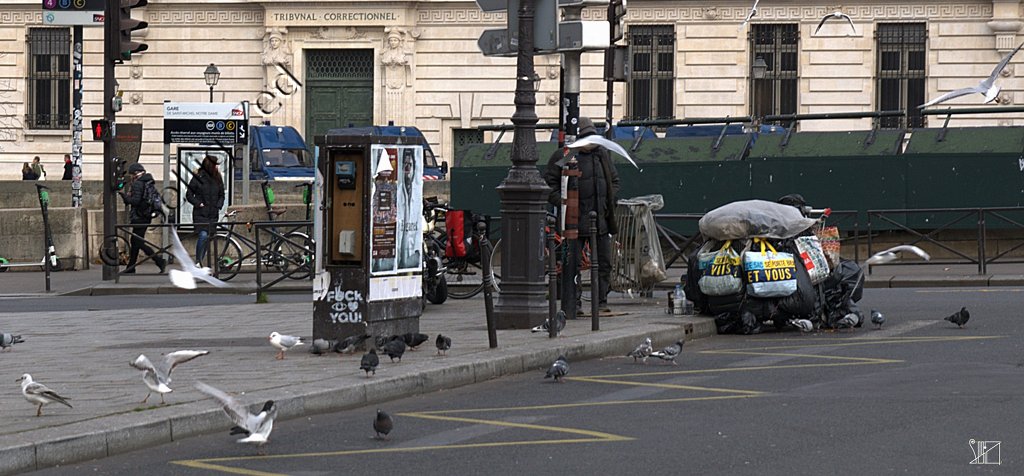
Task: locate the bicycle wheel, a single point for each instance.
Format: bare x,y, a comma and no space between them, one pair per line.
461,278
114,251
296,255
229,256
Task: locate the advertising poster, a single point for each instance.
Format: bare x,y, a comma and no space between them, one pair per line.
396,240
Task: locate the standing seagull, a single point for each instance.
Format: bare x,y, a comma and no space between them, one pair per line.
988,87
959,318
752,14
383,425
185,278
256,428
559,369
39,394
642,351
283,343
890,254
671,352
7,341
369,362
443,343
157,378
838,15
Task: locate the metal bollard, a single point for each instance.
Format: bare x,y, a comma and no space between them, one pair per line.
485,261
595,277
552,280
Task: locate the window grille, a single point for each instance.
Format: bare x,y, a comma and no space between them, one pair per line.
900,77
779,47
652,76
49,78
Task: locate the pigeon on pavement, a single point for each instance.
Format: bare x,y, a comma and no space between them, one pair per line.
348,345
671,352
890,254
848,321
414,339
158,377
805,325
394,348
381,340
559,324
838,15
382,425
40,394
185,278
642,351
959,318
443,343
987,87
255,427
877,318
322,346
7,341
283,343
558,369
369,362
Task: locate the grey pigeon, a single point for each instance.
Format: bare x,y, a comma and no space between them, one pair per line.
255,427
7,341
414,339
805,325
350,343
877,318
642,351
381,340
158,377
559,324
394,348
382,425
443,343
848,321
960,317
283,343
671,352
321,346
369,362
558,369
40,394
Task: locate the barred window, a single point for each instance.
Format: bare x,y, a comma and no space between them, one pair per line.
900,77
463,137
652,77
777,46
49,78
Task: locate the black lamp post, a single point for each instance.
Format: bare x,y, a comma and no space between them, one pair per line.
212,75
521,301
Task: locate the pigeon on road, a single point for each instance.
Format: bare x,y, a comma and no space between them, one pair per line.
959,318
369,362
671,352
890,254
394,348
559,324
987,87
382,425
558,369
443,343
877,318
805,325
7,341
186,277
848,321
414,339
255,427
40,394
838,15
283,343
349,344
322,346
158,377
642,351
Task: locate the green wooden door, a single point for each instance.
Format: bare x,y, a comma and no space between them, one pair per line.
339,90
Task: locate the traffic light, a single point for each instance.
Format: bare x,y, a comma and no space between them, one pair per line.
125,25
617,19
101,129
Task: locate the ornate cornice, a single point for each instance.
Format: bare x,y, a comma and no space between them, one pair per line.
21,17
209,16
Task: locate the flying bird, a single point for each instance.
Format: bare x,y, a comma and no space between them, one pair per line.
877,318
987,87
369,362
283,343
805,325
414,339
596,139
255,427
7,341
559,369
838,15
158,377
382,425
322,346
394,348
642,351
40,394
750,15
890,254
186,277
349,344
959,318
559,323
443,343
671,352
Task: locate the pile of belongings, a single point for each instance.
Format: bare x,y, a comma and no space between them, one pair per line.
763,263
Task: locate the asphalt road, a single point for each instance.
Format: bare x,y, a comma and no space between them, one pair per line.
135,301
909,398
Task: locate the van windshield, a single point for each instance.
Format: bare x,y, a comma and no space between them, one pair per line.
284,158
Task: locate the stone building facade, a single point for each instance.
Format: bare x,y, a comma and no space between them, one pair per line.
329,63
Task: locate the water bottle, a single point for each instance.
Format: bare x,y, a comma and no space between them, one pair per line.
677,301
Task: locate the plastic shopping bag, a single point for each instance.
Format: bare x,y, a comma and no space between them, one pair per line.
813,257
769,273
720,272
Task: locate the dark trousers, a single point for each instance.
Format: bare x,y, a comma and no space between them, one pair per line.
137,243
604,267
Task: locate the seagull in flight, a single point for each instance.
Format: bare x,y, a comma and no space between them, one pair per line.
838,15
255,427
890,254
752,14
988,87
185,278
157,378
597,139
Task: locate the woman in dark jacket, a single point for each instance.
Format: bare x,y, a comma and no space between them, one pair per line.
206,194
27,173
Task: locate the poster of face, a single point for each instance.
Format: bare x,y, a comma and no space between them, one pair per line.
396,194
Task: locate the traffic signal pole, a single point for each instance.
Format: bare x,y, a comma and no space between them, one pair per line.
111,20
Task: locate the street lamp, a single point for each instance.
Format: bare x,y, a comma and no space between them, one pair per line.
212,75
759,68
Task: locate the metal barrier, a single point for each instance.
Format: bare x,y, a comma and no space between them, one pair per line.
286,247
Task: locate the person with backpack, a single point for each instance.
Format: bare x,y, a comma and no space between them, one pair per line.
206,194
145,203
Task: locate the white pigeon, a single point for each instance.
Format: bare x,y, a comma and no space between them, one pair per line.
804,325
284,343
750,15
185,278
39,394
838,15
988,87
157,378
256,427
890,254
642,351
596,139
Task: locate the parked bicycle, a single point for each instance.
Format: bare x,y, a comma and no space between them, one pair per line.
290,253
461,267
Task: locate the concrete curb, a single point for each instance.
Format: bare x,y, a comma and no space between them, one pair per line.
129,431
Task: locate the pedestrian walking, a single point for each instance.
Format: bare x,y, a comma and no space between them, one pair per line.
27,173
68,167
140,187
38,168
206,194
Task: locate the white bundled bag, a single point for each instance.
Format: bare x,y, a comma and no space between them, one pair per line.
770,273
753,219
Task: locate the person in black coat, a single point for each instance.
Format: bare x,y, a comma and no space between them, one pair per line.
206,194
141,216
69,168
598,188
27,173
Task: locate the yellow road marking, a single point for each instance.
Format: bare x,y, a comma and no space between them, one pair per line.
559,406
846,343
665,385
